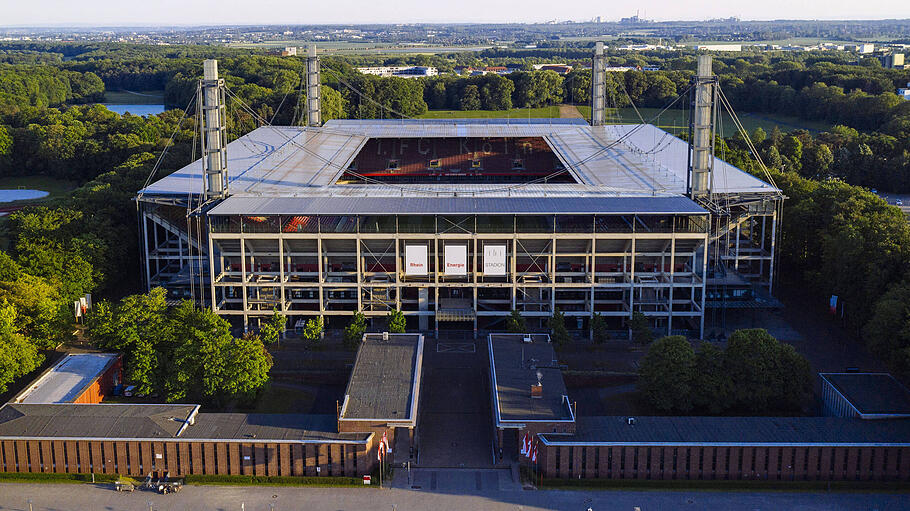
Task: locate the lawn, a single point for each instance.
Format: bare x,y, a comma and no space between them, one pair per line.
55,187
676,121
126,97
515,113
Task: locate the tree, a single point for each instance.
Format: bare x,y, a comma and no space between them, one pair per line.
640,328
313,329
599,328
516,323
887,334
247,370
470,98
181,352
559,334
396,322
666,374
711,389
765,375
18,355
270,331
353,333
41,313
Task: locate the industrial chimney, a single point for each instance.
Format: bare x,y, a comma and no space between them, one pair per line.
212,131
314,113
701,130
598,85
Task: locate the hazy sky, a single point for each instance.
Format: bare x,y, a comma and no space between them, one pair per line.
155,12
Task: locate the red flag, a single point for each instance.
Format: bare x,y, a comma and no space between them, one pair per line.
524,444
534,453
380,451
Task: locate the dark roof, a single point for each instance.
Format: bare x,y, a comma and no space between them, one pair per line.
455,205
385,380
736,430
871,393
259,426
94,421
514,376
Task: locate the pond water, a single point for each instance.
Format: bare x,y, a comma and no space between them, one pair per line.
142,110
14,195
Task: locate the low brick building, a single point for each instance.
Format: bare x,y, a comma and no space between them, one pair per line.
528,391
730,448
137,439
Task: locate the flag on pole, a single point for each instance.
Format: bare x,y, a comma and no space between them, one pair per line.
380,451
524,444
534,454
832,305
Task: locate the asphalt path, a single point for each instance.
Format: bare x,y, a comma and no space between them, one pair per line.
81,497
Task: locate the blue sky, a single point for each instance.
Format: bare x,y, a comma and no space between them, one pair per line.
184,12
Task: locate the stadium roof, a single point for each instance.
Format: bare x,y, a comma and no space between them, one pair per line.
68,379
729,431
455,205
618,160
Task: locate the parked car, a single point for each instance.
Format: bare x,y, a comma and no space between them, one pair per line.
129,391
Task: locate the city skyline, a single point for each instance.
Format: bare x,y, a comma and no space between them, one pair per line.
100,13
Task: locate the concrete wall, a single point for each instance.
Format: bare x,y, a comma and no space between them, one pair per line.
138,458
796,463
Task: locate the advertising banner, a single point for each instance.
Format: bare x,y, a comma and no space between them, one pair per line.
456,258
415,260
494,260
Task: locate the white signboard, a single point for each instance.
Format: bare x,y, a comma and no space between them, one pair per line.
415,259
494,260
456,260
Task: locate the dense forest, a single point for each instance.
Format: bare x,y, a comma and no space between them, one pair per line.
839,238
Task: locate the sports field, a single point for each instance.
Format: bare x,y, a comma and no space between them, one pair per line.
674,121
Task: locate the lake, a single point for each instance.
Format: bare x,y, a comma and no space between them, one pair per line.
14,195
142,110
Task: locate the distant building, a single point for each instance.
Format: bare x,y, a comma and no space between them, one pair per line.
904,93
288,51
562,69
720,47
400,71
892,61
860,48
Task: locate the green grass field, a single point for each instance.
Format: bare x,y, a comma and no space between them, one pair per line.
515,113
674,121
55,187
124,97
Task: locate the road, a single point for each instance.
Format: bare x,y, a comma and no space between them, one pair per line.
73,497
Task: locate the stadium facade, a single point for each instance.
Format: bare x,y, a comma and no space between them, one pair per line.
458,222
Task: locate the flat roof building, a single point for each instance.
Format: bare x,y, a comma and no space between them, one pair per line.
76,378
864,396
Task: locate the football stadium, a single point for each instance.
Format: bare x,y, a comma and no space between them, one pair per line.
458,222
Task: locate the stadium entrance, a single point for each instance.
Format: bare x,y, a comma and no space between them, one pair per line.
455,415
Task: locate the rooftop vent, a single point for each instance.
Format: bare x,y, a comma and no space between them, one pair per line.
630,421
